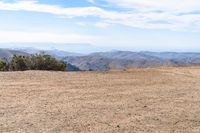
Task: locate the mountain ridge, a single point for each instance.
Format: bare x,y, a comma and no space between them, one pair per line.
103,61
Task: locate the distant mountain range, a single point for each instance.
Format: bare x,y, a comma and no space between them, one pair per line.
103,61
72,47
59,54
128,59
6,54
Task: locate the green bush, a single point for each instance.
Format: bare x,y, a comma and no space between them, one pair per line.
36,62
46,62
3,65
19,63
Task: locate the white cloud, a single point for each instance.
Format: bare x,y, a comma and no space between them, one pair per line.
91,1
102,25
44,8
16,36
81,23
170,5
151,14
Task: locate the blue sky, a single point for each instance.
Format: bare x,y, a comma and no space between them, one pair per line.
139,25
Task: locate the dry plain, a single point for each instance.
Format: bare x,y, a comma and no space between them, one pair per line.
134,101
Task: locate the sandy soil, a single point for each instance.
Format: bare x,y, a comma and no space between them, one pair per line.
143,100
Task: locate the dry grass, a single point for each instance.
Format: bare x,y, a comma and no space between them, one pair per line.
141,100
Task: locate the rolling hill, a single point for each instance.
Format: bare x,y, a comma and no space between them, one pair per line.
7,54
127,59
103,61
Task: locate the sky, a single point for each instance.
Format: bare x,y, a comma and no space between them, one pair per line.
137,25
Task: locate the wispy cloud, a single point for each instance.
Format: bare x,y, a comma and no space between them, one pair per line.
91,1
81,23
16,36
151,14
102,25
45,8
165,5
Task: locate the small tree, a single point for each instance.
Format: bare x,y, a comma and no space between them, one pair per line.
37,62
3,65
19,63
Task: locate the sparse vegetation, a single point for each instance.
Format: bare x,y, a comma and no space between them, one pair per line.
33,62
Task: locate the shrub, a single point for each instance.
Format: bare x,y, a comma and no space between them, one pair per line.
46,62
36,62
3,65
19,63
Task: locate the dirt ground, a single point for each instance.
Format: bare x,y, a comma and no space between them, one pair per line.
165,100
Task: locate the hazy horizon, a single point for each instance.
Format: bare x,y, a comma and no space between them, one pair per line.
79,48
